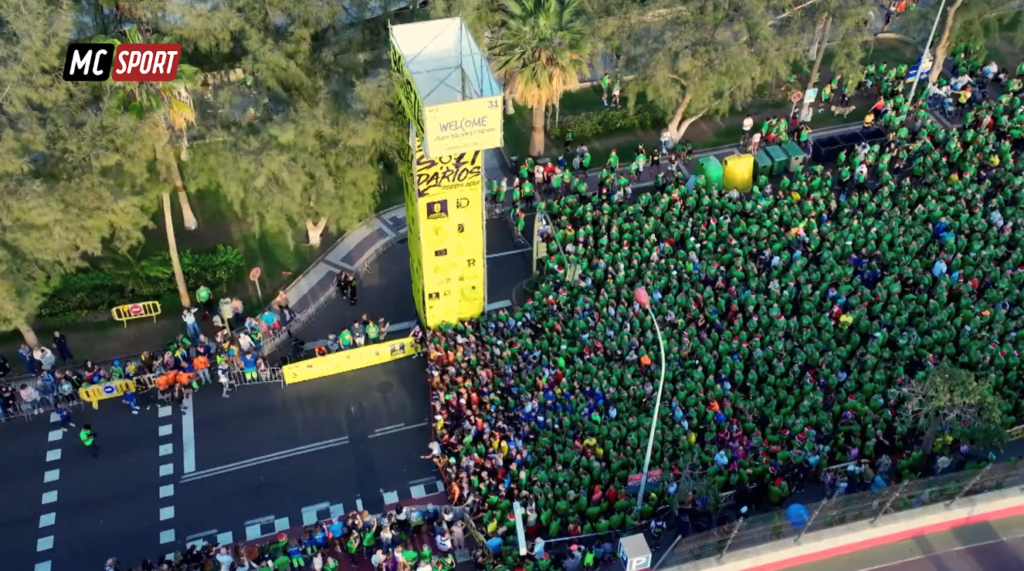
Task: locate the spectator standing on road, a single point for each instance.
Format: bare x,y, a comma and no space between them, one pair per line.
205,298
225,559
270,320
88,438
353,296
383,325
60,343
7,400
188,315
64,414
238,311
224,380
359,333
25,356
30,396
249,366
44,356
372,330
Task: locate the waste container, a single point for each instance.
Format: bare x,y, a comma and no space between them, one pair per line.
711,168
762,164
738,172
796,157
779,159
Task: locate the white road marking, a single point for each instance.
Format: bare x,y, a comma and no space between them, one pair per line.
44,543
498,305
390,427
166,429
53,455
43,566
51,476
166,491
188,436
54,417
418,491
385,432
281,524
260,521
227,468
390,498
226,538
164,411
337,510
309,513
166,513
253,532
509,253
46,520
201,534
49,497
359,505
55,435
426,480
166,536
166,449
166,470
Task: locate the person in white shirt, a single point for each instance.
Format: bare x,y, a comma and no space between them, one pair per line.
444,542
225,559
748,124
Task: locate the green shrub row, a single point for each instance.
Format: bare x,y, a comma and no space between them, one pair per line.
593,124
149,279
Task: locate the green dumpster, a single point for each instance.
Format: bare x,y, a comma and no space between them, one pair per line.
762,164
711,168
779,159
796,156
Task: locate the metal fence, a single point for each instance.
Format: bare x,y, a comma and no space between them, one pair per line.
845,509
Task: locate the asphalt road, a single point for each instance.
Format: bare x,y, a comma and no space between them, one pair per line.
351,441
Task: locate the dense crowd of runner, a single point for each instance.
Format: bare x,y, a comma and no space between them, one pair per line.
792,316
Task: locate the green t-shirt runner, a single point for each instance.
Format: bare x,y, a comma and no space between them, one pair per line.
203,294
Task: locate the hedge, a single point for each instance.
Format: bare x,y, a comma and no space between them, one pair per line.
593,124
96,290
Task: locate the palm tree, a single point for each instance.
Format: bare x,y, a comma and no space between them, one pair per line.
166,107
541,50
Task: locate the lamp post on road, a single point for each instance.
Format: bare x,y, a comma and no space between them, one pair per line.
927,52
641,297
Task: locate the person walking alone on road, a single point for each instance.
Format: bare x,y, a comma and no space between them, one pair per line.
205,298
88,438
64,413
60,343
188,315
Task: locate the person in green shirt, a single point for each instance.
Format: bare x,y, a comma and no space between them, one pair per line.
205,298
605,84
613,160
372,331
88,438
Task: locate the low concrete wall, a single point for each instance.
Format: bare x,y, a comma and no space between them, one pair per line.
888,529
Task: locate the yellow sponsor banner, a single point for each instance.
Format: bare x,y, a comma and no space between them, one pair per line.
95,393
348,360
463,127
449,217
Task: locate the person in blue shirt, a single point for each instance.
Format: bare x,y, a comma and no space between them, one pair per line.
129,399
249,365
64,413
295,554
336,529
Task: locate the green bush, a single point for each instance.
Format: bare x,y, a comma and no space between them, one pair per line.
593,124
99,290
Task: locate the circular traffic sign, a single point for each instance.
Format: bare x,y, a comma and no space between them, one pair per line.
135,309
109,389
255,274
797,96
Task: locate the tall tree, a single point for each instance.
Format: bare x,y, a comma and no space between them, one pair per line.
166,109
840,29
306,167
979,21
714,58
542,48
948,396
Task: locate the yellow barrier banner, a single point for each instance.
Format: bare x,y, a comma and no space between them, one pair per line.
463,127
450,222
124,313
348,360
95,393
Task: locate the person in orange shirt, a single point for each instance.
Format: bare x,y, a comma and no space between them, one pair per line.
201,365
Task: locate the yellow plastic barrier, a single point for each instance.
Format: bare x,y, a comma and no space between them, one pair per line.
348,360
95,393
738,173
124,313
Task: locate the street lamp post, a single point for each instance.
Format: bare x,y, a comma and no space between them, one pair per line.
927,52
641,297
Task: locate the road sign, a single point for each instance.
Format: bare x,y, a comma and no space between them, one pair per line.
797,96
255,274
128,311
810,95
109,389
135,310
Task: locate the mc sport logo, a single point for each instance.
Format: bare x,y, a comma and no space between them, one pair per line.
125,62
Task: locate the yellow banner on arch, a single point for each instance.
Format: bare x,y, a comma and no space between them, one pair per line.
450,225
